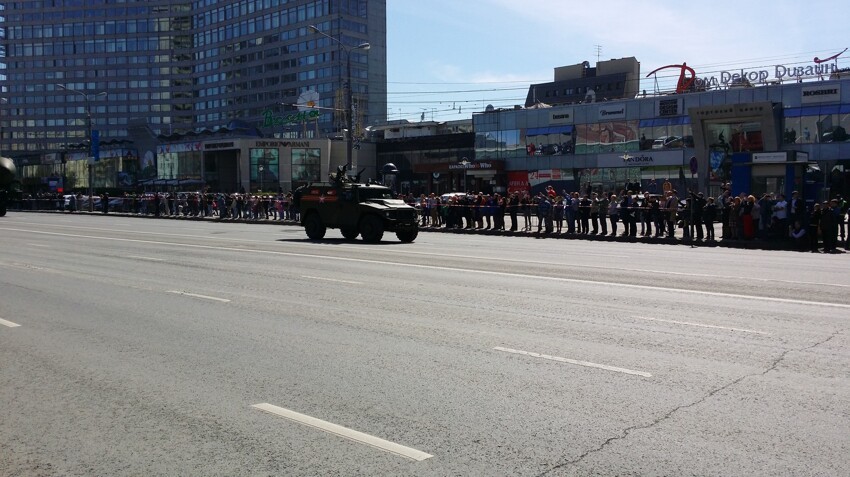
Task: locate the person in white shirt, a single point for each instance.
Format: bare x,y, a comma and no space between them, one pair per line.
780,212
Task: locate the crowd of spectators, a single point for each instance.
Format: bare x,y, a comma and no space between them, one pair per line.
186,204
690,217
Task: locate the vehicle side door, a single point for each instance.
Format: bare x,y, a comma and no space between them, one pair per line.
348,213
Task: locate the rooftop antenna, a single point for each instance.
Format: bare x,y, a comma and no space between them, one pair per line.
598,52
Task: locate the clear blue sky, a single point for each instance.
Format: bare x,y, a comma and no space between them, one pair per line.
446,56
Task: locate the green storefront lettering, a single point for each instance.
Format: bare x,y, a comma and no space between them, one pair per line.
270,120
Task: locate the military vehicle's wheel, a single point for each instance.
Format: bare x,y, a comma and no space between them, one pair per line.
2,210
314,227
407,236
350,233
371,229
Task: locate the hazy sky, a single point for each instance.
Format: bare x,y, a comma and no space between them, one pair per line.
445,55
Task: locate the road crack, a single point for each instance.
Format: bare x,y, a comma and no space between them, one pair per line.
625,433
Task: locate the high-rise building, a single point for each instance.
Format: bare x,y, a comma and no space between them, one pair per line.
68,68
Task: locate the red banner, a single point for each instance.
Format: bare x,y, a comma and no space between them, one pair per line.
518,182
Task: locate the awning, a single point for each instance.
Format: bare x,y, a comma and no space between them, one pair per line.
567,129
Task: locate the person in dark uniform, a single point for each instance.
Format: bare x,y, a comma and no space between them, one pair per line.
813,227
698,203
709,214
513,206
584,215
104,203
631,214
544,213
671,206
829,226
796,208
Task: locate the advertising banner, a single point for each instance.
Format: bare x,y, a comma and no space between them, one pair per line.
642,159
518,182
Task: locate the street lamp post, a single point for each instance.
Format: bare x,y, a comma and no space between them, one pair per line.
465,163
86,98
349,108
261,169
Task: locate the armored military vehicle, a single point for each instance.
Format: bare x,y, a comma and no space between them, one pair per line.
7,176
355,208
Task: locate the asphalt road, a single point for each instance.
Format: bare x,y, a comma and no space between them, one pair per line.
161,347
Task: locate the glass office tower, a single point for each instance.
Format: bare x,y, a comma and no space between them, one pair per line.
70,67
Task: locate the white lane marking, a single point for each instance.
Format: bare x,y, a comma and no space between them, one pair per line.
8,323
587,364
701,325
194,295
150,259
730,277
38,245
345,432
449,269
331,280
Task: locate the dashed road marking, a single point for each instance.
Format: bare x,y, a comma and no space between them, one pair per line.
195,295
150,259
331,280
587,364
8,323
345,432
702,325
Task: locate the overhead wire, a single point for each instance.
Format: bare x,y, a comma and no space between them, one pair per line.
660,84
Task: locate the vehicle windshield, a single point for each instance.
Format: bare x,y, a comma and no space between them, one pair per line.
374,193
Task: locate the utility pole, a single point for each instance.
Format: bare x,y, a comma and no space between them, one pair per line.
349,109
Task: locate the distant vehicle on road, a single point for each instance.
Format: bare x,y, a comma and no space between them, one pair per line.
367,210
451,195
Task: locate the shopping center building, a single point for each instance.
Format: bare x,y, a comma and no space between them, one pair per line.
773,129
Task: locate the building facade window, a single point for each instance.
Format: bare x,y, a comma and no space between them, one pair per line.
306,166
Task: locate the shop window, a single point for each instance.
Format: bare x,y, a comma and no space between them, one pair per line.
747,137
808,129
306,165
844,122
659,136
791,135
830,129
265,168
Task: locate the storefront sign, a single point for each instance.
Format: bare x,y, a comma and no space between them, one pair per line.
183,147
267,144
766,157
820,67
219,145
777,73
561,116
641,159
271,120
821,94
472,166
612,111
